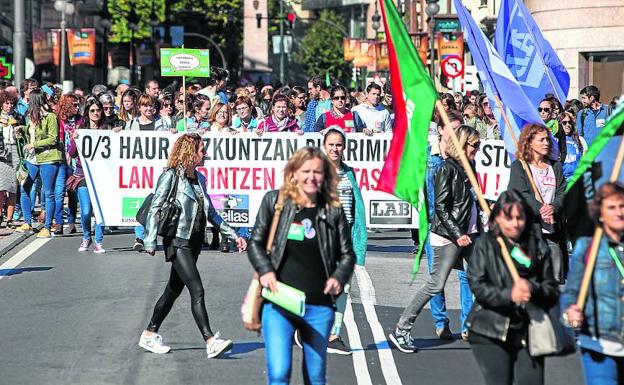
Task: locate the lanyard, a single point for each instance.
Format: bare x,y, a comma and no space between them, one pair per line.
617,261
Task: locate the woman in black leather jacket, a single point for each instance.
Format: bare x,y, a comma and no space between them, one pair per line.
498,322
312,252
455,223
183,249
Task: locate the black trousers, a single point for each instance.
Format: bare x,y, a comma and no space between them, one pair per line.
506,363
183,273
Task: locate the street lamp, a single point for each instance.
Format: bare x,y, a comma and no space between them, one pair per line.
65,8
376,18
432,10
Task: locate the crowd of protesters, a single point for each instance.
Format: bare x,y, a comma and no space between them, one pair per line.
39,162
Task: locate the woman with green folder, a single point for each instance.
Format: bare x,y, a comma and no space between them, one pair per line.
311,252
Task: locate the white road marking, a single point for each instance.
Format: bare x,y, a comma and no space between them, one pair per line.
367,295
10,265
359,357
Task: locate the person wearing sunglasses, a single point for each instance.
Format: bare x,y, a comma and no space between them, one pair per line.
455,226
545,111
109,118
471,118
572,146
484,111
339,115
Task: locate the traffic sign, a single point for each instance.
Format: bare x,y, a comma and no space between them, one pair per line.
452,67
5,68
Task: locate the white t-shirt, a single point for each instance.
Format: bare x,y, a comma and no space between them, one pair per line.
375,119
546,182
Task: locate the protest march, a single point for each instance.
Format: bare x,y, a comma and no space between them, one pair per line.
304,209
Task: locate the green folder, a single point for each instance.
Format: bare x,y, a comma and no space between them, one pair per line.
287,297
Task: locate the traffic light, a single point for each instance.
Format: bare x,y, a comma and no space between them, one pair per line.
291,17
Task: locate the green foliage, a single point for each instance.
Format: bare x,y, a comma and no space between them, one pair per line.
120,10
210,15
320,51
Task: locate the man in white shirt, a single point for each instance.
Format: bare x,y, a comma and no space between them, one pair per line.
375,116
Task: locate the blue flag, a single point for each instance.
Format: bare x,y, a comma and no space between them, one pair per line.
498,82
528,55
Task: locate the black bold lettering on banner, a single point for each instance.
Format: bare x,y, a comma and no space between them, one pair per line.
124,146
163,152
87,142
230,149
291,148
486,152
244,149
313,142
265,154
373,150
351,150
218,154
256,152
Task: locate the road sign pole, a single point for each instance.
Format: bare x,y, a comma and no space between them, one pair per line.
19,41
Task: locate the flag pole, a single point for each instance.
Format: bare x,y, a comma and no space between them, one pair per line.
595,243
475,186
525,166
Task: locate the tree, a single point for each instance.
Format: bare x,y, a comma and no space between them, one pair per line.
321,51
220,20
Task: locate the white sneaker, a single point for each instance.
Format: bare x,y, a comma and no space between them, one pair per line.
98,249
218,346
153,343
84,246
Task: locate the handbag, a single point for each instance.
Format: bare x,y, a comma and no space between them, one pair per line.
167,216
547,335
252,302
72,182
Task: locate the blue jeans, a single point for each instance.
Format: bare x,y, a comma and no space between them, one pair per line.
59,193
601,369
139,232
48,174
278,327
86,211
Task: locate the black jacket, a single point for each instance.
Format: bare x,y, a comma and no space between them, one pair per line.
491,285
454,201
334,236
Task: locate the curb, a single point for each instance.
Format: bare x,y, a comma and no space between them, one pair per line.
5,249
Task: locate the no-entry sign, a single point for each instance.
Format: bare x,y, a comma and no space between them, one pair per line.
452,66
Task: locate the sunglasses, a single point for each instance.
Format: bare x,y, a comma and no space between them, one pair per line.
109,108
466,116
166,105
540,109
94,110
566,123
485,104
339,98
475,145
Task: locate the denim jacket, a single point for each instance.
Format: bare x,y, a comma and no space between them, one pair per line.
187,200
604,309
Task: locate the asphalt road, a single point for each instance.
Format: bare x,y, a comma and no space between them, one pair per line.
75,318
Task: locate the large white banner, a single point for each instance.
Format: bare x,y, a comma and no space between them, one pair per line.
123,168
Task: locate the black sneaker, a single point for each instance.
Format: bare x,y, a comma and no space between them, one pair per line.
337,346
225,245
297,339
403,340
138,245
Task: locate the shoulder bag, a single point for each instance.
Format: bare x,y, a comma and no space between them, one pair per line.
547,335
252,302
167,216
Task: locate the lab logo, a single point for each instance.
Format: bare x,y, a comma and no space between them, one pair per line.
390,212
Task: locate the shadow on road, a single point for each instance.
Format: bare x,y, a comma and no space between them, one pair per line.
16,271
